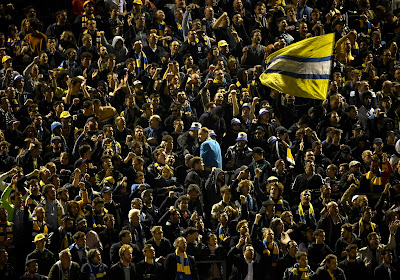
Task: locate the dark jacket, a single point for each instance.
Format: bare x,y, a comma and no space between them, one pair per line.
382,273
117,272
316,254
170,267
45,260
37,276
155,270
240,267
323,274
56,272
354,271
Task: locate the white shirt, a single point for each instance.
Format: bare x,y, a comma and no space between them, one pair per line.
249,275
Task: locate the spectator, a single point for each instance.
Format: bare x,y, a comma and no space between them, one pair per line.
187,263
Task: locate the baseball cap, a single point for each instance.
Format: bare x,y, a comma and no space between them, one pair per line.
54,125
106,189
272,178
54,138
378,140
18,77
246,105
222,43
212,133
263,111
242,136
195,126
391,132
65,114
281,130
137,2
87,2
354,163
38,237
80,219
30,261
356,126
79,162
5,58
66,218
235,121
268,202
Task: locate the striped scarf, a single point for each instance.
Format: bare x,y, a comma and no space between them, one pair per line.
182,269
6,231
196,41
97,271
158,166
272,246
278,205
362,227
138,58
160,28
223,232
304,271
179,26
99,216
39,227
13,42
375,181
311,213
102,65
98,37
85,18
239,86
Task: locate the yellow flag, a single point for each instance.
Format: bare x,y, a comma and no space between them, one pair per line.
301,69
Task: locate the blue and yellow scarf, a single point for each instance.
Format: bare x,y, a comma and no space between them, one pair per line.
139,67
271,247
304,271
375,182
278,205
311,213
182,269
98,37
223,232
85,18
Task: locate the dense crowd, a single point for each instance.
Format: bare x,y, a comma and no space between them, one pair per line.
138,142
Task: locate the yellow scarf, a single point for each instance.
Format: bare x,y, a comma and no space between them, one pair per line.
302,215
361,227
304,271
182,269
331,275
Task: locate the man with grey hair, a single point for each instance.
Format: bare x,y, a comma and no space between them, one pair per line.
138,230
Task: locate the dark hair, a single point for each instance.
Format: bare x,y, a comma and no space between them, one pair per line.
300,254
123,233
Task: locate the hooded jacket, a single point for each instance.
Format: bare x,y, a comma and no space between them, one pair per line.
122,54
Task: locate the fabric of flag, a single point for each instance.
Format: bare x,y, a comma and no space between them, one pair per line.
301,69
289,155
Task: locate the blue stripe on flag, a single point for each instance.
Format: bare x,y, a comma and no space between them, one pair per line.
301,59
298,76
